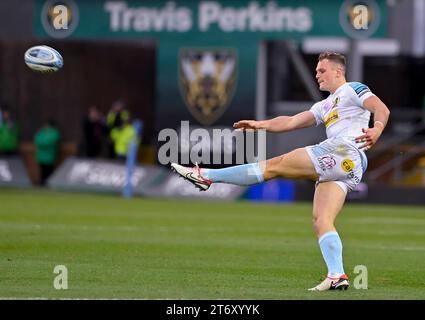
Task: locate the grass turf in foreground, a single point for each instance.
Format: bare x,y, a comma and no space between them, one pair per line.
169,249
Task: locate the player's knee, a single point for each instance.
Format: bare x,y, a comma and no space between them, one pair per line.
321,223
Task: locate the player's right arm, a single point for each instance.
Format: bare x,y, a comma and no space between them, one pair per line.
279,124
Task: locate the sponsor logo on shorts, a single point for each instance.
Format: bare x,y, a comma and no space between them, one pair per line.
326,162
351,175
348,166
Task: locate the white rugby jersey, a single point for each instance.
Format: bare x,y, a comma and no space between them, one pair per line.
342,112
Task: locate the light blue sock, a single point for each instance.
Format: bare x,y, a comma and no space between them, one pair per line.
243,175
331,247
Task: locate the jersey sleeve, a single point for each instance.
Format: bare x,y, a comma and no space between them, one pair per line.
316,110
362,91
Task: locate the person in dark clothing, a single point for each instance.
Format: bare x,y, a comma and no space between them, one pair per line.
94,131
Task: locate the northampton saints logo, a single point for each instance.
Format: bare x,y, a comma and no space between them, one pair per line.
207,79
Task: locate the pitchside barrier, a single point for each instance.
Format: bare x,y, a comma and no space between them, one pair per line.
78,174
13,172
84,175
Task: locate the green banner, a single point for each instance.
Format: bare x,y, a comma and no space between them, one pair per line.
237,20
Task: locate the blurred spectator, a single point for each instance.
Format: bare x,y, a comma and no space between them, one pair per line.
46,149
94,131
121,136
8,134
115,116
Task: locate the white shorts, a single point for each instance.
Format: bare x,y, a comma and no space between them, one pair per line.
339,160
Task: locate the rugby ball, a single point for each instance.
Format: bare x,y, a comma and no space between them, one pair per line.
43,59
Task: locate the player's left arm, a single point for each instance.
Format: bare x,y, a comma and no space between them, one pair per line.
381,114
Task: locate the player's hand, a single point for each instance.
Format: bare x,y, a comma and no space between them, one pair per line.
248,124
370,136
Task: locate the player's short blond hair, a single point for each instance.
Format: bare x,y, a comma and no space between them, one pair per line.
335,57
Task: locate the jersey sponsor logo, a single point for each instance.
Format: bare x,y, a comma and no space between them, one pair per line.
331,118
207,79
326,162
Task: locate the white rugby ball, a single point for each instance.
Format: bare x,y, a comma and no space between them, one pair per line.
43,59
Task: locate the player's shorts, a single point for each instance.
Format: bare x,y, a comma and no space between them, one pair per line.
338,159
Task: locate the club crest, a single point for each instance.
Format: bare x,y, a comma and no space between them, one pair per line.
207,79
335,102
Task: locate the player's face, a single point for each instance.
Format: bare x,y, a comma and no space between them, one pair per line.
326,75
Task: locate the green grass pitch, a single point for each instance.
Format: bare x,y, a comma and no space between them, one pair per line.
172,249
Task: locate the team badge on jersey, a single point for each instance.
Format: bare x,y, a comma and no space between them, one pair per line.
207,79
333,116
335,102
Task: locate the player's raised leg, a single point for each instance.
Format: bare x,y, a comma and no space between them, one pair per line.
296,164
329,198
293,165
